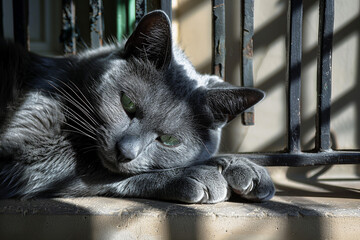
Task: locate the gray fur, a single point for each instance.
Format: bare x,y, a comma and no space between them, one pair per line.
65,133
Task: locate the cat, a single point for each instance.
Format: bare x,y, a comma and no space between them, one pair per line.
132,119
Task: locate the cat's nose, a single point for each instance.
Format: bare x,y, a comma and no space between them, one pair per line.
128,147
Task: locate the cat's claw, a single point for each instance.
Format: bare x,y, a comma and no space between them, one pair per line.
247,179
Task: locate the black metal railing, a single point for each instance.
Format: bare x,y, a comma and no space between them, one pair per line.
322,154
293,155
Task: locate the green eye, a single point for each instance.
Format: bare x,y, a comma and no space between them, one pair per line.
169,141
127,104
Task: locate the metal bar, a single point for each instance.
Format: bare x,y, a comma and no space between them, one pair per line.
68,35
294,36
302,159
1,21
131,16
21,22
96,19
218,16
141,10
125,18
326,26
247,54
166,7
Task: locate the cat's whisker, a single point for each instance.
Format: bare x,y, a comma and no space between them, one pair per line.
77,116
83,126
75,103
89,149
83,99
78,131
64,92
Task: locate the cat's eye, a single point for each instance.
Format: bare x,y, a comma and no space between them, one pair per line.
128,105
169,140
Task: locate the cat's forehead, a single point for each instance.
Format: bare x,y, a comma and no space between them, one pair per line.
172,97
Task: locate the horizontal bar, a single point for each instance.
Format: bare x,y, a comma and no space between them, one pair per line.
21,22
218,18
326,26
302,159
96,19
247,78
294,43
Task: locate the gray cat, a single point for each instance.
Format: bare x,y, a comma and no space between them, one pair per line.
126,120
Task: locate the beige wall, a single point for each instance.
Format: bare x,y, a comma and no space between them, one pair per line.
193,24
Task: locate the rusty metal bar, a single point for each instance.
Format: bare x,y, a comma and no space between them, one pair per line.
21,22
218,16
166,7
141,10
247,78
1,21
68,35
294,43
96,19
326,26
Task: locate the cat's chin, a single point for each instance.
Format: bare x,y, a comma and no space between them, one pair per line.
121,168
110,166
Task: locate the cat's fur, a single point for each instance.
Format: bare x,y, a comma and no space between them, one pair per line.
64,131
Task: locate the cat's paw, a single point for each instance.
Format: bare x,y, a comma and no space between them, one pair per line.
246,178
202,184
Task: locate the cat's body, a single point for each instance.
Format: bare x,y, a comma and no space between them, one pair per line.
132,120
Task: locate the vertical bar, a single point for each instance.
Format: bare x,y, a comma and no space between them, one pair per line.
1,21
68,36
218,11
96,23
326,26
132,15
141,10
21,22
121,19
125,18
294,43
166,7
247,54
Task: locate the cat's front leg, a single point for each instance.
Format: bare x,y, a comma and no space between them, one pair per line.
211,182
196,184
245,178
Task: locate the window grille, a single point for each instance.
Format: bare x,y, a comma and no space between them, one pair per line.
293,155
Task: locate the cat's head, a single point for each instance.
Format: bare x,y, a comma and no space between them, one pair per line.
156,111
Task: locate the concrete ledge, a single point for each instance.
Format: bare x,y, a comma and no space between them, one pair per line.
296,212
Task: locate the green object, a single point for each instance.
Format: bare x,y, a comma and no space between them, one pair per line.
125,18
128,105
169,141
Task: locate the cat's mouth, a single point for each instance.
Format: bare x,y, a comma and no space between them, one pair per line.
110,165
121,159
116,165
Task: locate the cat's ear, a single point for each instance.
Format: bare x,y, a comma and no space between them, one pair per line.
151,40
225,104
